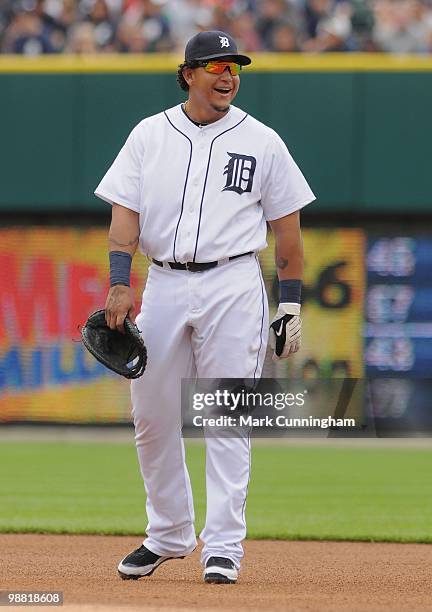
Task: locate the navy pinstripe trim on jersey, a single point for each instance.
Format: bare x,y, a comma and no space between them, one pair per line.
256,368
248,482
186,180
262,316
206,176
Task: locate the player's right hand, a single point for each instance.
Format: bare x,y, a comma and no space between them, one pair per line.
285,331
120,303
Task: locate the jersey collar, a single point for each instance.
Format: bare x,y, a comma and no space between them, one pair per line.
182,122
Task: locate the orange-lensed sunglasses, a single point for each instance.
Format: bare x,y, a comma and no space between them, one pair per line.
220,67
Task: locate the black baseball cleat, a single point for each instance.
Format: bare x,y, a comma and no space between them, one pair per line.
219,570
141,562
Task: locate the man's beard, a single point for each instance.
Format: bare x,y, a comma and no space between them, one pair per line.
220,109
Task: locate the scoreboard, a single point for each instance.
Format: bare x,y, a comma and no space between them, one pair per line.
398,333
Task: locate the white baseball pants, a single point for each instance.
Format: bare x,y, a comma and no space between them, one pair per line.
211,324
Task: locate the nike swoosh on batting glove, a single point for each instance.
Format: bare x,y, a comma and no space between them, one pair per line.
285,331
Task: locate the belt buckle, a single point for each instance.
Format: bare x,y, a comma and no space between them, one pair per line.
193,267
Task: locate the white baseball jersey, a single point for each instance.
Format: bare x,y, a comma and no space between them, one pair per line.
204,193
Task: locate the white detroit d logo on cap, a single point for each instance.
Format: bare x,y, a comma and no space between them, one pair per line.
224,41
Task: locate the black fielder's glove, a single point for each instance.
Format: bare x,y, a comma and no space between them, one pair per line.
285,331
125,354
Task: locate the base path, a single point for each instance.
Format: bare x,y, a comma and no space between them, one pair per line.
312,576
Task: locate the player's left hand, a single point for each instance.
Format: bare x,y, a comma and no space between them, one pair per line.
285,331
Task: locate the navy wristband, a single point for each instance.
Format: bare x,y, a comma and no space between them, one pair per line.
120,267
290,291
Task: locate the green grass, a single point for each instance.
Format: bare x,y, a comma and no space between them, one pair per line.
296,492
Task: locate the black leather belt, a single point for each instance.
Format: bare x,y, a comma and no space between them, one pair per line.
191,266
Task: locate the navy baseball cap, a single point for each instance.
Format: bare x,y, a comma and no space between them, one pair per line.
213,44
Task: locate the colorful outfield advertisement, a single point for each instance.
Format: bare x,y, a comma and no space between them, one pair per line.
52,278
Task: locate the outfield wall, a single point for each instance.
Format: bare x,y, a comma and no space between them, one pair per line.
46,294
366,312
358,125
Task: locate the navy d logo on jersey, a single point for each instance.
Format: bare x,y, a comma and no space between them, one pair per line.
240,171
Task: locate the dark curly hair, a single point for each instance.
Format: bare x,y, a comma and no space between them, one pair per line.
180,78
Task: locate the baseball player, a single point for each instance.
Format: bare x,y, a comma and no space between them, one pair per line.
193,187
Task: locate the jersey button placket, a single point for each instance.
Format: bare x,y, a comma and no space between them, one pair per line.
202,142
189,221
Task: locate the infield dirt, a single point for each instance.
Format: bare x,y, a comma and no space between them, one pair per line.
276,575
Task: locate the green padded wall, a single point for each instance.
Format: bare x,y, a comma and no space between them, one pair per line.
361,137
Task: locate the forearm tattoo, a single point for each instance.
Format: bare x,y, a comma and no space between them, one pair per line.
281,262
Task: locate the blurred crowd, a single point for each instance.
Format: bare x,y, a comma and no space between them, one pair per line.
33,27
